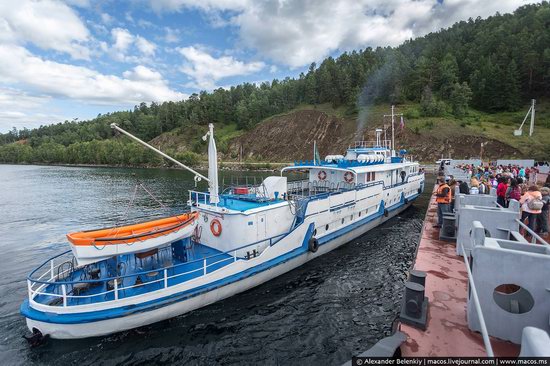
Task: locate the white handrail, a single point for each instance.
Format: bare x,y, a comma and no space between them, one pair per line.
64,292
221,260
484,332
534,235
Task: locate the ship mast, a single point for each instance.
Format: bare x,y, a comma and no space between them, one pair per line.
393,115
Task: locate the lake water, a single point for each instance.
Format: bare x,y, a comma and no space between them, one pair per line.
321,313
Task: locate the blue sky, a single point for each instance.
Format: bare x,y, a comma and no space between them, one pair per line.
61,60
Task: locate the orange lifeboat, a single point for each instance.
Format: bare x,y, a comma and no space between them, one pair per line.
95,245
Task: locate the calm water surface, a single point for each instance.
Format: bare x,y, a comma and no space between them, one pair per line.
321,313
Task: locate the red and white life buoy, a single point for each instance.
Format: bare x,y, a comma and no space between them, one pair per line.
216,227
322,175
348,177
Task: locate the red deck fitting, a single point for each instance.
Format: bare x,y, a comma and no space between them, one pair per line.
447,332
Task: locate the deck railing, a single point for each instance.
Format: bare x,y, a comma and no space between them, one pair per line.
372,143
477,305
196,197
62,289
534,236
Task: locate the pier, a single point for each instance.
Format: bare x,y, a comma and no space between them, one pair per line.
447,332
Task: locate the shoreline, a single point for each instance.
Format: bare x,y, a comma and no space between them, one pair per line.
232,166
227,166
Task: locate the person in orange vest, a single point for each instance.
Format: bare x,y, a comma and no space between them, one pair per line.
443,199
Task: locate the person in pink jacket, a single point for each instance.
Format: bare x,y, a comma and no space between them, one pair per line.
531,206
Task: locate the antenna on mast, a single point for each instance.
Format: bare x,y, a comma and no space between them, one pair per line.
393,115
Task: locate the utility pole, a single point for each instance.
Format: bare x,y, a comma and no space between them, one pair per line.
531,110
393,115
532,127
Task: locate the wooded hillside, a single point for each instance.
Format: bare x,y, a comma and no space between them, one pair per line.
493,65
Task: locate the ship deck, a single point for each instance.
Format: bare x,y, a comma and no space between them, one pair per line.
244,202
447,332
140,275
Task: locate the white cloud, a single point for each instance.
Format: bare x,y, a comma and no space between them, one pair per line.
145,23
177,5
123,40
145,47
78,3
48,24
129,18
172,35
296,33
106,18
20,109
206,70
142,73
141,84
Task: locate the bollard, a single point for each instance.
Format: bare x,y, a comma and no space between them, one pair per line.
417,276
414,296
414,307
448,230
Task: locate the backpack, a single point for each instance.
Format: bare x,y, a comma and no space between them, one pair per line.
515,194
535,204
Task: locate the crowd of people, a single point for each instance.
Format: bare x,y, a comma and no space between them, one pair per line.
511,183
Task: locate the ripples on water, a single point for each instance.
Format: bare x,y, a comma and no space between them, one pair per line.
321,313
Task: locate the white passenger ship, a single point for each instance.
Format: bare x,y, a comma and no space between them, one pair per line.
243,237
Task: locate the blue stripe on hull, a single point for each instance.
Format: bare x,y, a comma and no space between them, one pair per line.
88,317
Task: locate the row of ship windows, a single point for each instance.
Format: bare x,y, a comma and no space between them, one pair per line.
343,220
366,212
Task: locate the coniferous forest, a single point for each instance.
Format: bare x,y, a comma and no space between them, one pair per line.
492,65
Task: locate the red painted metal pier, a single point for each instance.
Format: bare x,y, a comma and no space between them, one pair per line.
447,332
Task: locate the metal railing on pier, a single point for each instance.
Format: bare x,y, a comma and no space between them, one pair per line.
534,236
535,239
484,332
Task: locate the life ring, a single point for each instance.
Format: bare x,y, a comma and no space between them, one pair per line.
313,245
216,227
322,175
348,177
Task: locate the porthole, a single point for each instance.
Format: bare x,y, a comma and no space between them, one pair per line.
513,298
326,227
314,232
359,213
342,221
351,218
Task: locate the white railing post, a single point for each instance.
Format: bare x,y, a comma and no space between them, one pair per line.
29,286
204,266
64,292
51,270
477,304
116,288
235,256
165,278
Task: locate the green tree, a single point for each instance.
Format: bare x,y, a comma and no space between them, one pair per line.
459,99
